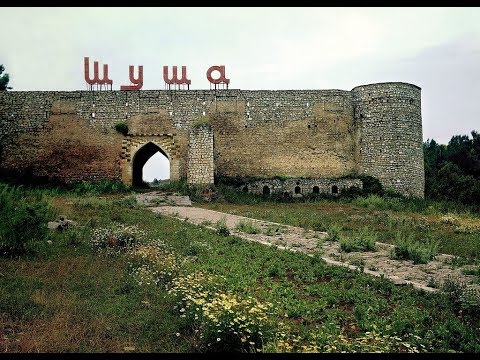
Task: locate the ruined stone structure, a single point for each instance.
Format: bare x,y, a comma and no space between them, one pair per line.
318,138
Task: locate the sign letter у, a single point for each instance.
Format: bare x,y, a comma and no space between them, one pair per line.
138,83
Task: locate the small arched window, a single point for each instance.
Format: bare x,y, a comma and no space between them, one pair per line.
266,190
245,189
297,189
334,189
316,190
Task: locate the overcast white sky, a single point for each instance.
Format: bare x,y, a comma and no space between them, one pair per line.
437,49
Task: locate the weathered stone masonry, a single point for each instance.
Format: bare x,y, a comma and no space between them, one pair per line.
391,141
374,129
200,155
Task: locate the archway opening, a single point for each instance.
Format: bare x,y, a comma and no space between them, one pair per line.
334,189
297,189
316,190
266,190
149,163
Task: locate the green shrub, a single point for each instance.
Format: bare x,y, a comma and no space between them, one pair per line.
248,227
121,127
269,231
272,230
333,233
348,193
406,248
222,228
371,185
364,240
23,221
359,263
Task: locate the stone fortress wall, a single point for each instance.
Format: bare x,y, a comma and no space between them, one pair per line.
391,143
302,135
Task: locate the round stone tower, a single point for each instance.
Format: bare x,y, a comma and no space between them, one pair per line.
391,142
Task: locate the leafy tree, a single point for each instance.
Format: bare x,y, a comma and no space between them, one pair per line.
453,171
4,79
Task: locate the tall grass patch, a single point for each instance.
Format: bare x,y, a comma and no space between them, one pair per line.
248,227
23,222
334,233
102,187
222,228
406,248
363,240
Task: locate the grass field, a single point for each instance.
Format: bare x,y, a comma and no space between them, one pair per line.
126,279
457,233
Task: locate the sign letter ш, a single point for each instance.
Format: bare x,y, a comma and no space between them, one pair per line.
96,79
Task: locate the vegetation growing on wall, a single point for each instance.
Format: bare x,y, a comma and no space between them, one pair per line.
121,127
201,120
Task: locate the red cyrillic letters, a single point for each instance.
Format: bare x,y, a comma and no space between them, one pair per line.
138,81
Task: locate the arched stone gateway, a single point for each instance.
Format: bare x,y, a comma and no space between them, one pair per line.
138,149
140,158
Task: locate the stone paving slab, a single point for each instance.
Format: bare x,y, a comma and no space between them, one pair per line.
156,198
377,263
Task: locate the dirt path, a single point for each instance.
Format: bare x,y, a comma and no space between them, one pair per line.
377,263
